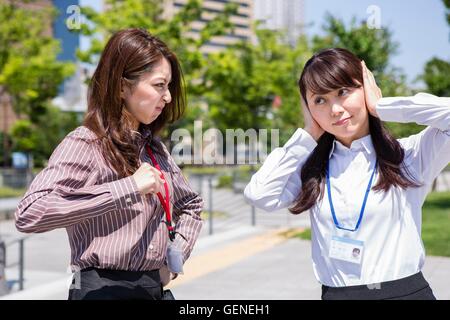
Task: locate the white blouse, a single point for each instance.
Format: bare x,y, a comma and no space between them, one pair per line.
390,229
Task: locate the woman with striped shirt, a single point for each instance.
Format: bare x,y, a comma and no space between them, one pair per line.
113,185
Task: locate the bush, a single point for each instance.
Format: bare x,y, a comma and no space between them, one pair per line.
225,181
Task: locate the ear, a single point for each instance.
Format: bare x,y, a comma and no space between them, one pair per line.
123,89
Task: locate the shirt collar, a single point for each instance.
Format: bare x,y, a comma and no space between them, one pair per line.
364,144
146,133
143,135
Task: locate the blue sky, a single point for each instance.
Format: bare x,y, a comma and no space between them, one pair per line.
419,26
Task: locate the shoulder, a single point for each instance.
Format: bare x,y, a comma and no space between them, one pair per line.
83,133
163,155
79,141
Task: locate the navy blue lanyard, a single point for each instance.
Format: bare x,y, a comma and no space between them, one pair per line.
369,186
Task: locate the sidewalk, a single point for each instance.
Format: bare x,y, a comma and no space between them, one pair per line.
238,261
253,263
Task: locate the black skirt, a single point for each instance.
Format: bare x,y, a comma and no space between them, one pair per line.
414,287
104,284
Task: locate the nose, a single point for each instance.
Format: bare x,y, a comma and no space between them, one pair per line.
167,96
336,108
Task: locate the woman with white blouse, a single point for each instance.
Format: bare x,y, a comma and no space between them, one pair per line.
363,188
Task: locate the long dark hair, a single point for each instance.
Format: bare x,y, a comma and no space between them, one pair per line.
128,55
326,71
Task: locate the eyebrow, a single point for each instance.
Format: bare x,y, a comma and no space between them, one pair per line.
312,95
161,77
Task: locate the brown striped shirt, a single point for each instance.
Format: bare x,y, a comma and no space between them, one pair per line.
109,223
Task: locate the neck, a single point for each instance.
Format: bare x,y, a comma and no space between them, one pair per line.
135,125
347,141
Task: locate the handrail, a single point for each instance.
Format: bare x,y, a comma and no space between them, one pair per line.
21,262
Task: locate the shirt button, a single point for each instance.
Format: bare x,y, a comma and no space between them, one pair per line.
150,247
129,200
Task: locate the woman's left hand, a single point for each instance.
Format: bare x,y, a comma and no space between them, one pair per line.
371,91
166,276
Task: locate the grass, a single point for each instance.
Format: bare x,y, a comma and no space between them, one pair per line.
243,170
227,175
435,225
6,192
216,214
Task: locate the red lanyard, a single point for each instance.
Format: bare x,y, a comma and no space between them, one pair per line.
165,202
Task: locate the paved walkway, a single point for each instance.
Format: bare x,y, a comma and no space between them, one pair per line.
238,261
246,263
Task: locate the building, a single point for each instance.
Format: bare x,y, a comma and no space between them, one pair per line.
242,21
287,15
73,92
70,41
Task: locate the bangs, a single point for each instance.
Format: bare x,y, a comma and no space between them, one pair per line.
323,77
330,70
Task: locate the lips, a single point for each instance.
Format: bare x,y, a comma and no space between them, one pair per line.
341,122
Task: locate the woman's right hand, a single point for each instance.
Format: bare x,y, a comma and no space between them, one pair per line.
311,125
148,179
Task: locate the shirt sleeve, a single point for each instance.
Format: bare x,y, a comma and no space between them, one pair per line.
429,150
60,196
277,183
187,207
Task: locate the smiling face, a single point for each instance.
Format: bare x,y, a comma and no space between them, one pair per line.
147,98
341,112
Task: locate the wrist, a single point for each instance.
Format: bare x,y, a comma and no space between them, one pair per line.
315,134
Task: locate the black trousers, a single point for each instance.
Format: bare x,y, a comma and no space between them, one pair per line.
414,287
102,284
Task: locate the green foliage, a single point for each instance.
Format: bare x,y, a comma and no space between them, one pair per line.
29,73
447,5
305,234
29,70
173,30
31,137
374,46
2,150
7,192
225,181
437,78
436,71
436,224
243,80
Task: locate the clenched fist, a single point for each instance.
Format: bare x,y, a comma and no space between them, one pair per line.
148,179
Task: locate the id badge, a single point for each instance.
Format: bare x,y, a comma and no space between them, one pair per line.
174,258
346,249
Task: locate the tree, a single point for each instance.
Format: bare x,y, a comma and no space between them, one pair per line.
436,70
447,5
244,80
42,136
436,77
174,31
29,70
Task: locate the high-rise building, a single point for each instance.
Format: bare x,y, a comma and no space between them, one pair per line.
242,21
73,92
287,15
69,39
